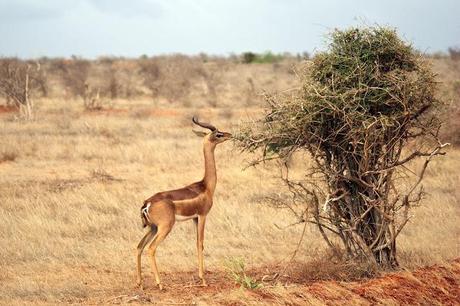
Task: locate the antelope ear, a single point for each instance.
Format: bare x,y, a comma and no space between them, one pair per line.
199,133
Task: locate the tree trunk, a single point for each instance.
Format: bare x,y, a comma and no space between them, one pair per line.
27,101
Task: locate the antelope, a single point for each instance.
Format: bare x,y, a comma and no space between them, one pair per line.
194,201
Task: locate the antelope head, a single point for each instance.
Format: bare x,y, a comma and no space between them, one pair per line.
215,136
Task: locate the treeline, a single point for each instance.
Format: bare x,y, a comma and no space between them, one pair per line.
170,77
175,78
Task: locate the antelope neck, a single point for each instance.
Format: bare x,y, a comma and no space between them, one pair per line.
210,176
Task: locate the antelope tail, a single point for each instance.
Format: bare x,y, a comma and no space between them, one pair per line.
145,214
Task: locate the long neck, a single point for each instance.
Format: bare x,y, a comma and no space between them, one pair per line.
210,176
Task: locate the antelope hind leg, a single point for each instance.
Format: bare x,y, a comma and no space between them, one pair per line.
140,247
162,233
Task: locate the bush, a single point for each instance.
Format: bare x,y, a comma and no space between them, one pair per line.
74,74
248,57
171,77
454,53
237,272
8,154
267,57
451,132
362,101
19,83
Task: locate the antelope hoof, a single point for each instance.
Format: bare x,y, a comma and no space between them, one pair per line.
160,286
203,283
140,285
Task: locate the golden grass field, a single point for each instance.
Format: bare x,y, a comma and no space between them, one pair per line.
72,183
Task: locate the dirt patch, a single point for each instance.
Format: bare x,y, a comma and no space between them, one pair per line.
431,285
434,285
5,109
106,111
181,288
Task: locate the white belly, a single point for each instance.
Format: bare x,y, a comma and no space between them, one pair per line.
185,218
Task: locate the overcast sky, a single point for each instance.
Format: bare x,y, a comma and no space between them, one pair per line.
91,28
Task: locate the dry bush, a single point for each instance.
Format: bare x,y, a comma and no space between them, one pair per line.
75,75
211,75
40,82
126,77
451,131
250,92
448,76
20,81
326,267
171,77
454,53
150,71
8,154
362,102
114,86
110,85
116,78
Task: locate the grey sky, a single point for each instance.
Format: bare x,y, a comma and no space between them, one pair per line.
90,28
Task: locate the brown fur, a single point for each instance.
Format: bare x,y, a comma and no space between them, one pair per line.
161,210
186,193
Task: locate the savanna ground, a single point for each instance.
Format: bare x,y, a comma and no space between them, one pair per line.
72,182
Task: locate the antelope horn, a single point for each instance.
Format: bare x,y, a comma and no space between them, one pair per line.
203,124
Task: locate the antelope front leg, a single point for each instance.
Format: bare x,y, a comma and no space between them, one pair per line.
200,247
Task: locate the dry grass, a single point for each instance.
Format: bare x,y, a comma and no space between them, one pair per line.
70,198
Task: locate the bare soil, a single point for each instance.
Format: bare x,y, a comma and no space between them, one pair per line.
434,285
7,109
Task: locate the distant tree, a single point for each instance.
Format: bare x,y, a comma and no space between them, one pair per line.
248,57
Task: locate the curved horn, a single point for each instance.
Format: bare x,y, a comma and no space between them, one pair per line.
203,124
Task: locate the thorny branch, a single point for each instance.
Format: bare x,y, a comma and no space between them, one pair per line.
365,119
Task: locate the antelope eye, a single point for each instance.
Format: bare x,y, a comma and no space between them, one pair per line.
218,135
